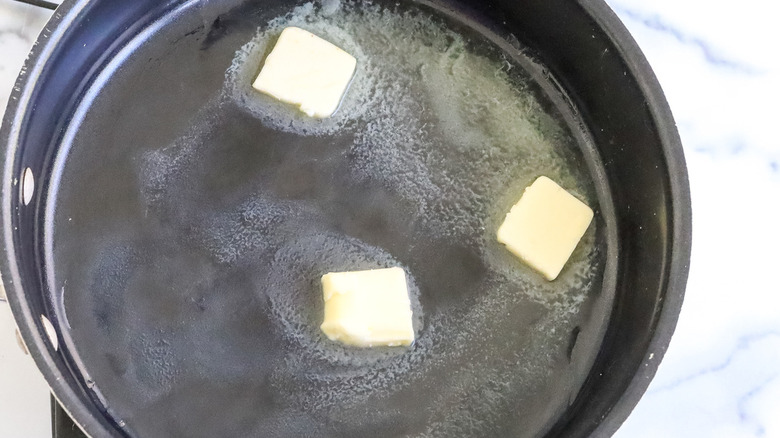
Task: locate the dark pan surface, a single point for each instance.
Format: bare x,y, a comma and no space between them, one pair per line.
178,215
135,369
188,226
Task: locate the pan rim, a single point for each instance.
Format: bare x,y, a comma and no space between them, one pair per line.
79,408
681,236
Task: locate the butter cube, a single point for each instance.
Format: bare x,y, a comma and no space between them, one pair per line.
367,308
307,71
544,227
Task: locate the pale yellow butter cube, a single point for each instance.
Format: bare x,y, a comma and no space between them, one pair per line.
544,227
367,308
305,70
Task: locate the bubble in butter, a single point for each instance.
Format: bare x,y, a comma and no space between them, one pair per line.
367,308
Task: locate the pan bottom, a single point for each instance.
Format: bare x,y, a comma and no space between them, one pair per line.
193,218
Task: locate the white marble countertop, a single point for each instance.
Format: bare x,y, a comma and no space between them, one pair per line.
719,66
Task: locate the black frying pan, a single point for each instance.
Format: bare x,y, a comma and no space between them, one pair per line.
138,197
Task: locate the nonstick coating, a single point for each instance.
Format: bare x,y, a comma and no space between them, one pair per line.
206,373
189,255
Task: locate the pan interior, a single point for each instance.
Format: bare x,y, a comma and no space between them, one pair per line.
191,218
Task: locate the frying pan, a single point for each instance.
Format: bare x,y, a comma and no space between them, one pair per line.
193,358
